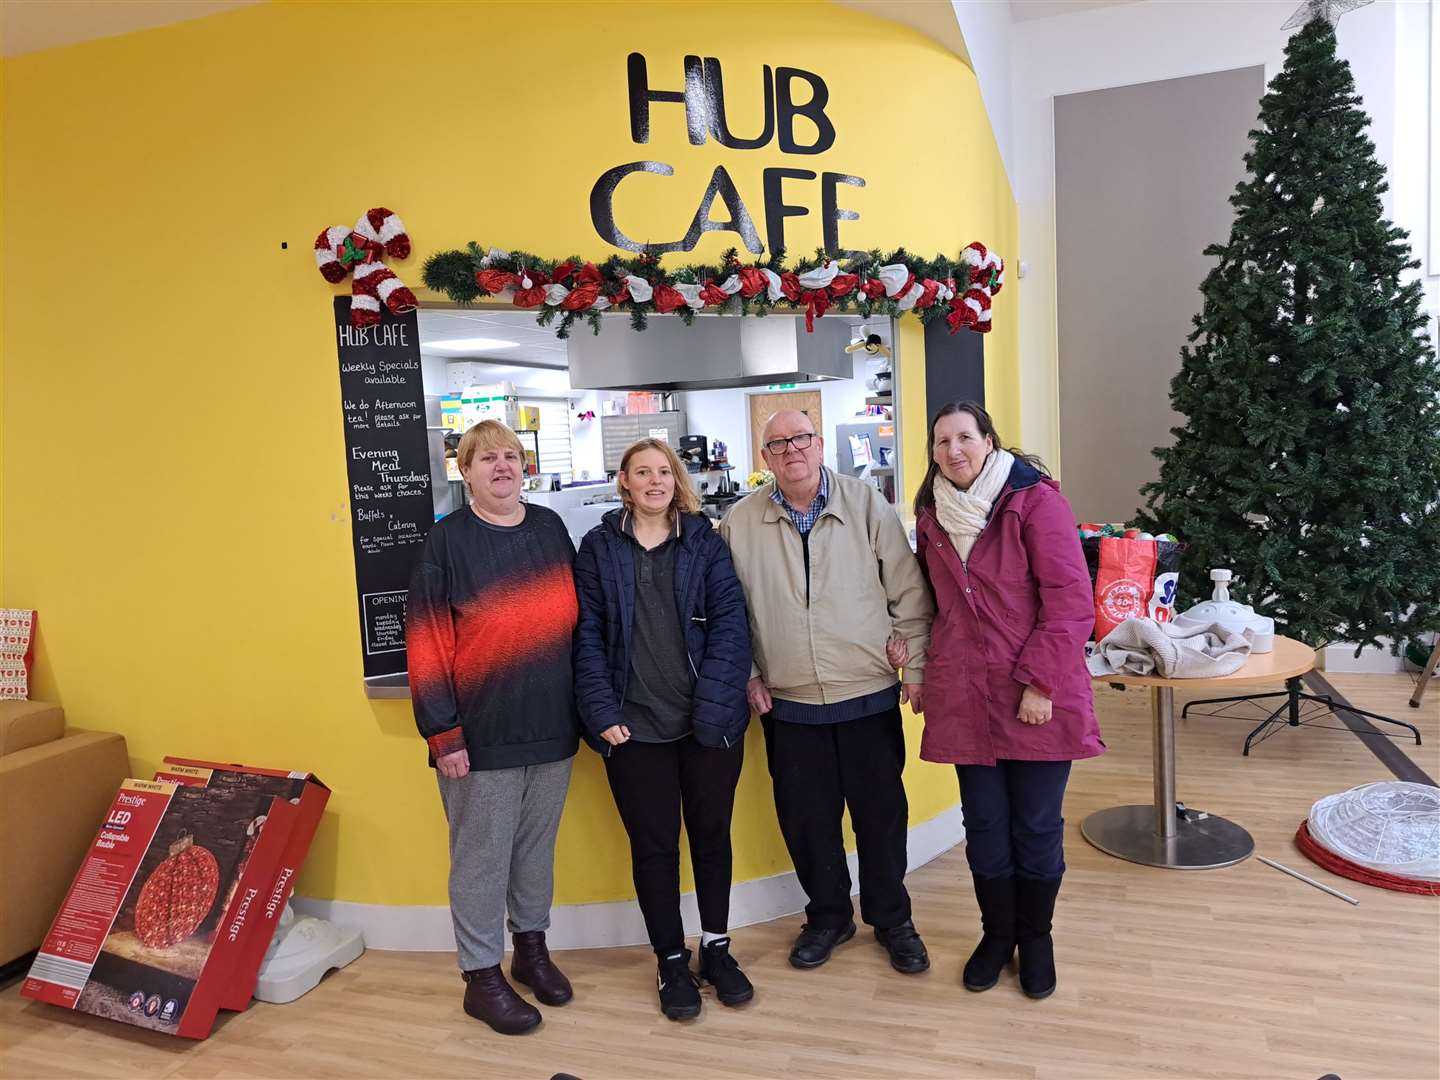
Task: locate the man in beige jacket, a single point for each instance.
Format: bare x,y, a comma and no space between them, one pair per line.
831,582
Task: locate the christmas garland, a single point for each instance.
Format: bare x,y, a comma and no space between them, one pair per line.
959,291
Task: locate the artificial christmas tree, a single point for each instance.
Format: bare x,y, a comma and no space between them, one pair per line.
1309,463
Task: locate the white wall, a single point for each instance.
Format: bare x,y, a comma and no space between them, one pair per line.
1386,43
986,27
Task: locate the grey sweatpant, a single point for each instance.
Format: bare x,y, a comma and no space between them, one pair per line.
502,854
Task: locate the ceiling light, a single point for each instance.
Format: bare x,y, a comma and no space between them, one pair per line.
469,344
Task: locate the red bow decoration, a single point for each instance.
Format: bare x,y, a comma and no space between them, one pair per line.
874,288
667,299
581,297
790,285
534,294
496,281
713,295
960,314
931,287
356,253
752,281
844,285
817,302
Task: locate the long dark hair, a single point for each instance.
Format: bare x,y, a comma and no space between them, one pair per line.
925,496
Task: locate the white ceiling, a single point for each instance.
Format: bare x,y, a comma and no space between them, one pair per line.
28,26
534,344
1024,10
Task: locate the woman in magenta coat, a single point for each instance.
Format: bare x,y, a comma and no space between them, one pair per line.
1007,694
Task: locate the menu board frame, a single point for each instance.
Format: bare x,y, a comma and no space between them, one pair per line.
387,458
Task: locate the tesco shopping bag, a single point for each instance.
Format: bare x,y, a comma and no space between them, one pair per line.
1132,578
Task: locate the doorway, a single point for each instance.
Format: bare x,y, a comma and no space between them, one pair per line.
764,406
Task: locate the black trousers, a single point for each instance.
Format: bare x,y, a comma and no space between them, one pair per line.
819,769
1013,821
653,784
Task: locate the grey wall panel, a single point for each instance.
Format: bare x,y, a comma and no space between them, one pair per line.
1143,175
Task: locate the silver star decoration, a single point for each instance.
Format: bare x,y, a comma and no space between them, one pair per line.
1329,10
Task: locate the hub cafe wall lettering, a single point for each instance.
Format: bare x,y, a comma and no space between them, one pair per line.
387,457
703,99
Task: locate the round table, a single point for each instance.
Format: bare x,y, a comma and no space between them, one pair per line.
1159,834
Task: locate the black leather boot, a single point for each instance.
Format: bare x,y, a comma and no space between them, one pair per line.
490,998
531,965
1035,910
996,897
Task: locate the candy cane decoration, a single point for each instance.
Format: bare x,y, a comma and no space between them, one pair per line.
341,252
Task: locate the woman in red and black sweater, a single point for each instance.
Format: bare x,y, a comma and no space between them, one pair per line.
489,623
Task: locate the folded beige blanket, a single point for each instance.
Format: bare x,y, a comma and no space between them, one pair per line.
1146,647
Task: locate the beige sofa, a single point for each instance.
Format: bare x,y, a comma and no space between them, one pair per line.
55,787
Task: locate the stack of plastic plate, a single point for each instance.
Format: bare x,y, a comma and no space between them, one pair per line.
1385,834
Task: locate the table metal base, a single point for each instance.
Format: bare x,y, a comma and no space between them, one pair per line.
1128,832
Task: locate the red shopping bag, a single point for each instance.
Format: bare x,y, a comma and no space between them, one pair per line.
1133,579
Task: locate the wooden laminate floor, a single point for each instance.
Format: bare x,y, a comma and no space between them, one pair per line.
1241,972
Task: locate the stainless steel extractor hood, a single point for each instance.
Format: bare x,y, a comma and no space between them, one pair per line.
716,351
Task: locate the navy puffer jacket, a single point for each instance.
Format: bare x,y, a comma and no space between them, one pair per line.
712,610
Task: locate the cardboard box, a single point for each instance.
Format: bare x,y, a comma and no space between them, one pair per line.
174,906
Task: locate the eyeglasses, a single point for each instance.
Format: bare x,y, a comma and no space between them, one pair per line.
799,442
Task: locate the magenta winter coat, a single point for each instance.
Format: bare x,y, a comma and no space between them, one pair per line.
1017,614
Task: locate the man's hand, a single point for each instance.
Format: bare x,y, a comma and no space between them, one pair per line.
454,766
897,651
913,694
759,696
616,734
1034,707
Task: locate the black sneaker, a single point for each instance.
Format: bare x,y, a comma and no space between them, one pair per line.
719,969
815,944
907,951
678,987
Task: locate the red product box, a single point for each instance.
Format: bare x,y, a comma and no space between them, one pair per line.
277,841
174,906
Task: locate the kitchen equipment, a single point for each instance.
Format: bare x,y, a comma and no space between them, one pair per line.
695,452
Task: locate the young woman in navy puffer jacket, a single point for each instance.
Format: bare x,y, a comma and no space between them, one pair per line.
662,658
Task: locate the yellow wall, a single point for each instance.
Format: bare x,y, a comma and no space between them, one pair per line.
173,474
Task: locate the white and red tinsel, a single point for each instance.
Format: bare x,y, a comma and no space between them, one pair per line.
357,252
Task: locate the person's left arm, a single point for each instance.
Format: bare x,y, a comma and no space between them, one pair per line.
1056,645
727,661
907,594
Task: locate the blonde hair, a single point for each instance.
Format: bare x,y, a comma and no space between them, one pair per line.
487,435
685,500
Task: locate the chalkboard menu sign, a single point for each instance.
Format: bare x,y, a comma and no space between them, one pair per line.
388,457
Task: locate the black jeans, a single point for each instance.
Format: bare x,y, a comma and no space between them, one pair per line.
653,783
1013,824
819,769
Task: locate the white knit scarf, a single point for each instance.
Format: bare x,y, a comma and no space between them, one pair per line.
962,514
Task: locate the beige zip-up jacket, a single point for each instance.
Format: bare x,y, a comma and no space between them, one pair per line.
865,583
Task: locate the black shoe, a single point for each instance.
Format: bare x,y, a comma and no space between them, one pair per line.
1035,908
815,944
907,951
679,990
996,897
719,969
